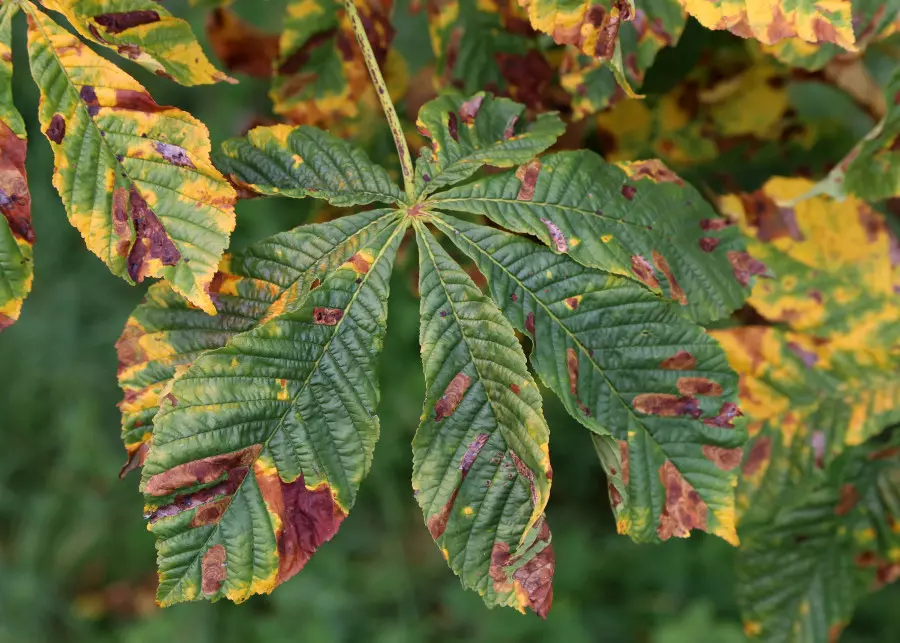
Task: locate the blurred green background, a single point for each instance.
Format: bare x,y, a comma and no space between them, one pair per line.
77,564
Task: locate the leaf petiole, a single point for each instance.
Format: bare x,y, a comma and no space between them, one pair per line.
384,97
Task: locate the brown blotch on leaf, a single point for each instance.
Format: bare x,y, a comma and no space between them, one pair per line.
536,576
534,579
327,316
676,291
745,266
529,77
151,240
572,302
725,459
515,388
628,191
758,456
714,224
698,386
309,517
15,199
680,361
240,46
526,473
453,395
174,154
89,96
359,263
684,509
56,131
666,405
510,130
655,170
118,22
771,221
615,497
201,471
136,459
469,109
848,500
528,176
556,235
529,326
708,244
453,126
884,454
437,523
298,59
212,569
644,271
210,513
725,417
871,222
138,101
572,368
623,455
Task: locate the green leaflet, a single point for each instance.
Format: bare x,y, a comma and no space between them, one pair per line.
266,440
142,31
305,161
467,134
16,233
135,177
802,573
165,333
481,460
618,218
624,362
871,170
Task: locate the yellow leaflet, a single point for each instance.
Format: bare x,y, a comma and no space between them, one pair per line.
771,21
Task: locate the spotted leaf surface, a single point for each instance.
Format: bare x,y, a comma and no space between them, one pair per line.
634,219
165,333
770,21
802,573
625,363
481,460
305,161
260,447
142,31
872,21
872,168
828,380
135,177
591,27
467,134
591,82
16,233
320,76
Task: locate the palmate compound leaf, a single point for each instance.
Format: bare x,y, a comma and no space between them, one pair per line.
16,233
142,31
802,573
467,134
481,459
635,219
872,169
770,21
626,364
815,393
829,379
165,333
260,446
135,177
305,161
